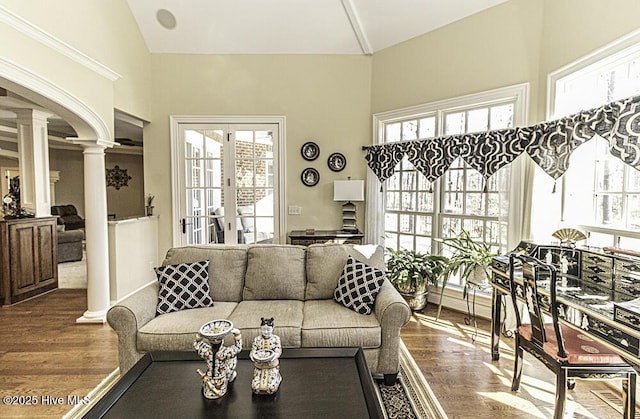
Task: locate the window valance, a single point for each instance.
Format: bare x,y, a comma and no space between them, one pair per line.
549,144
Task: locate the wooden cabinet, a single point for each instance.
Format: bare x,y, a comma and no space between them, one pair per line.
28,258
305,238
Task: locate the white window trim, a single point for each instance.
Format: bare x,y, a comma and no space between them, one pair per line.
374,228
519,93
176,120
611,52
614,51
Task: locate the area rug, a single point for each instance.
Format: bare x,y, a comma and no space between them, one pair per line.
411,397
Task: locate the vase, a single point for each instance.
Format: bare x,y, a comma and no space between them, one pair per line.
479,275
417,300
149,210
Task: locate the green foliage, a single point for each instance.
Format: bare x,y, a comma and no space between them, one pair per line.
468,255
411,271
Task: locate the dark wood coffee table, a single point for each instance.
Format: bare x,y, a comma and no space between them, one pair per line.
316,383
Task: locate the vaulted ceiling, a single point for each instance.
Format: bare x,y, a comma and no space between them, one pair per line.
269,27
292,26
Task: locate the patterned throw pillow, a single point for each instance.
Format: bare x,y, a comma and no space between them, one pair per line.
183,286
358,286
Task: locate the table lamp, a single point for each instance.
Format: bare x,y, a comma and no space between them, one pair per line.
348,191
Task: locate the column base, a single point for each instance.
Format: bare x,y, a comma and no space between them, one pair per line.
95,317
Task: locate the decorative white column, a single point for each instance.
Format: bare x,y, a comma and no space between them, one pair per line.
33,155
97,240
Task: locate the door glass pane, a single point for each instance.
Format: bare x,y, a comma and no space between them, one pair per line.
254,185
203,183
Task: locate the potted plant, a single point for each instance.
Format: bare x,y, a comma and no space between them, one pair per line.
149,207
471,259
411,273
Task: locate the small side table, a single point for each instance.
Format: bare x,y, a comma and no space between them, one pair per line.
305,238
472,288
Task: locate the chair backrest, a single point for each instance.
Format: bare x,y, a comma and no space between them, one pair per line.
538,303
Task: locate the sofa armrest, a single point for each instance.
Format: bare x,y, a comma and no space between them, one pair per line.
393,312
127,317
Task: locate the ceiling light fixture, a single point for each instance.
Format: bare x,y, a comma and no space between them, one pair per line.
166,19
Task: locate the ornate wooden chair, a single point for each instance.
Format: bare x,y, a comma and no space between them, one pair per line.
562,348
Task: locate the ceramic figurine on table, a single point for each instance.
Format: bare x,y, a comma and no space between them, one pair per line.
265,351
221,360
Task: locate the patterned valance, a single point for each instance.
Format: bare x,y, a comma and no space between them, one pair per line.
549,144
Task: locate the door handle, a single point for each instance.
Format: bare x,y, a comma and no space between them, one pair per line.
184,225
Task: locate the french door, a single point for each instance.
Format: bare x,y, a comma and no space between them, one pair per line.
226,182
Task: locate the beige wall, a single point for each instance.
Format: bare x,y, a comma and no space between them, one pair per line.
495,48
324,98
517,41
128,201
328,99
70,187
105,31
575,28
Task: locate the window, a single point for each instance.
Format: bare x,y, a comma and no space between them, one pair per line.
607,206
418,214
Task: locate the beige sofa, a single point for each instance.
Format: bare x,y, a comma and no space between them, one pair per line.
293,284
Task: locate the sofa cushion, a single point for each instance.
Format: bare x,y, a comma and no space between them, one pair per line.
275,272
287,315
183,286
325,263
227,266
358,286
329,324
176,331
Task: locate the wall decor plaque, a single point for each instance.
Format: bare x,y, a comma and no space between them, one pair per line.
310,177
310,151
117,177
336,162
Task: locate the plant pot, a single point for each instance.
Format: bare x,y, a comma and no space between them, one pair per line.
479,275
417,300
149,210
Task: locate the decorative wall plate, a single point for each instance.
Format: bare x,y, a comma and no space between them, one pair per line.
336,162
310,177
310,151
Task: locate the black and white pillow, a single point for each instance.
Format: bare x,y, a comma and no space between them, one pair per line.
358,286
183,286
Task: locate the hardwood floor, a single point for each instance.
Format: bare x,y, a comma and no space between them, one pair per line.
469,385
43,352
45,355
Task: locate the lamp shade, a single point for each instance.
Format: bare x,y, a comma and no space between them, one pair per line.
348,190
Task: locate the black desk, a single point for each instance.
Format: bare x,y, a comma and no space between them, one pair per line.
585,304
316,383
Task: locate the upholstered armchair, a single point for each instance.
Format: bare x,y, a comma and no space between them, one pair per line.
69,215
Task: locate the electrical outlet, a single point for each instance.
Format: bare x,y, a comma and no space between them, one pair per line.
295,210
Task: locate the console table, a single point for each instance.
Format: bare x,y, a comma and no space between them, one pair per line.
304,238
587,294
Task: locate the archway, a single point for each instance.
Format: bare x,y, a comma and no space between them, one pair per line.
94,136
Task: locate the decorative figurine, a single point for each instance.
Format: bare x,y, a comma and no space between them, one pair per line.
548,257
221,360
564,264
264,353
